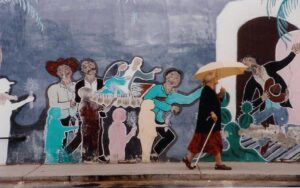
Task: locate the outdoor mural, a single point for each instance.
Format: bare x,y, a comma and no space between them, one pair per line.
97,90
262,96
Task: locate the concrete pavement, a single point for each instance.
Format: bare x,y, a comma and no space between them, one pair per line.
151,171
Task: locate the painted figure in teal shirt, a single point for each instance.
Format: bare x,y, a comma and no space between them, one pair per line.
54,135
157,93
167,100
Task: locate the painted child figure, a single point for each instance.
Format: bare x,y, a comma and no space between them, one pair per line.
54,135
6,108
118,137
147,128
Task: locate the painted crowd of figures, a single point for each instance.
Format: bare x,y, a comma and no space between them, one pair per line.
129,105
82,108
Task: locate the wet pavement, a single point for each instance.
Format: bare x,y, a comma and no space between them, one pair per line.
150,175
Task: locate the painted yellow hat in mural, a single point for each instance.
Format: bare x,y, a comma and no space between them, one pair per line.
221,69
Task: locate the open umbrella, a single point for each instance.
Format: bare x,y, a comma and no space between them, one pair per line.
221,69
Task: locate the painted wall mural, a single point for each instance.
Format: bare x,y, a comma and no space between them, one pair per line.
115,85
262,96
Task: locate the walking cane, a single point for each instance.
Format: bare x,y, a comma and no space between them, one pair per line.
198,158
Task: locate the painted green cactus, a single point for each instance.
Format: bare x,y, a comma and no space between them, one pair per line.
246,118
225,100
226,116
236,151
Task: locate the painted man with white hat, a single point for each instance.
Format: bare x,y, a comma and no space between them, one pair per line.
6,108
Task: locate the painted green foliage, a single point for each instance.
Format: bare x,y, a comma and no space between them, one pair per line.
29,8
286,7
236,152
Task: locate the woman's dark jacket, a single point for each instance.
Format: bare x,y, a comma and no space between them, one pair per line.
209,102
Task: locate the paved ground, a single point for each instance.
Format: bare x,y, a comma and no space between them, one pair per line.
163,174
154,184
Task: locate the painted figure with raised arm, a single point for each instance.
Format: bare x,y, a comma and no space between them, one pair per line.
166,99
6,109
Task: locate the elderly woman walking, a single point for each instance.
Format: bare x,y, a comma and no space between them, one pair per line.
209,114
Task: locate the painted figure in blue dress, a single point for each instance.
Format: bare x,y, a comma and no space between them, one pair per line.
54,135
121,83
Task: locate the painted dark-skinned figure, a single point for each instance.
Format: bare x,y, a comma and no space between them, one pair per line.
273,96
209,113
91,126
92,145
167,100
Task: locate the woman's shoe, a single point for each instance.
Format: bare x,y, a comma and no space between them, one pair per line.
188,163
222,167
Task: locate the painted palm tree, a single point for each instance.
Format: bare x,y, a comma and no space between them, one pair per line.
28,7
286,7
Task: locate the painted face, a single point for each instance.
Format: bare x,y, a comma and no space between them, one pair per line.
255,69
88,68
252,65
64,72
137,63
123,67
173,79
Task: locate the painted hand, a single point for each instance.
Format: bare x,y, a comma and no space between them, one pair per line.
72,103
30,98
157,70
133,131
296,48
175,109
265,96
